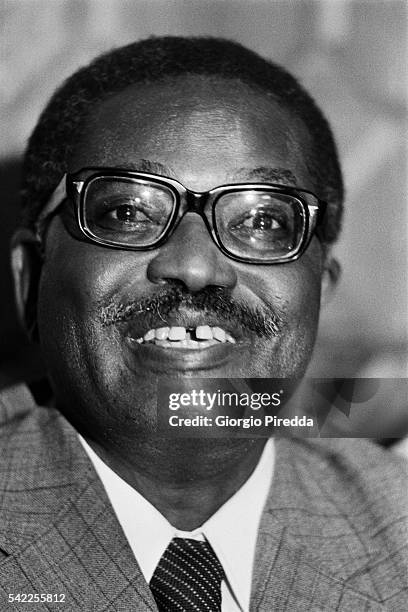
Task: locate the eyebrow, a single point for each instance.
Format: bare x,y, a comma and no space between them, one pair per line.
244,174
264,173
152,167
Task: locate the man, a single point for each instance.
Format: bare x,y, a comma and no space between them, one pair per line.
175,223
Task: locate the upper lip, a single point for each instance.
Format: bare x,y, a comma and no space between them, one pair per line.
140,324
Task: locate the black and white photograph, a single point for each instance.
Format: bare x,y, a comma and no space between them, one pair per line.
204,305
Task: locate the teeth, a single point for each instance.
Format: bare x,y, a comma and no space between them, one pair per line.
177,333
203,332
219,334
149,335
202,336
162,333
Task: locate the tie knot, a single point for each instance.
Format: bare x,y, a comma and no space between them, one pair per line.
188,578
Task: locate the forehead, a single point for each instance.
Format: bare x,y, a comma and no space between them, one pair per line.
204,130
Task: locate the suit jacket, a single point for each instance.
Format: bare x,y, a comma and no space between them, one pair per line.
333,535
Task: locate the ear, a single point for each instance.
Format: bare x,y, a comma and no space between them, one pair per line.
330,278
26,263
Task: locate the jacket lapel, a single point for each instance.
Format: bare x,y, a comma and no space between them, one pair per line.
58,532
84,556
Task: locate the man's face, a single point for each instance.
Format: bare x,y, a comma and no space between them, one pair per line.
204,134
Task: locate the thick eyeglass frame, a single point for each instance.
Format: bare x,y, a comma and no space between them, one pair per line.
75,189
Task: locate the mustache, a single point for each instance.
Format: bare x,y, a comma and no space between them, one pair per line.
211,300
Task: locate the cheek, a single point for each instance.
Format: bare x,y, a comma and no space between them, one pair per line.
70,290
65,308
302,305
301,289
77,279
293,288
302,297
293,291
84,359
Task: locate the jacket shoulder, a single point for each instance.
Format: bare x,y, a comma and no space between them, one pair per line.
359,459
21,419
355,475
344,503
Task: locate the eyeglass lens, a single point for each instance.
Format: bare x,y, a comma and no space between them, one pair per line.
258,224
128,211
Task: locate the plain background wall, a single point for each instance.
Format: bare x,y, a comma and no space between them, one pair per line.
350,55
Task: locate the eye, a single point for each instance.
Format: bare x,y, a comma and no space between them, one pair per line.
128,213
261,221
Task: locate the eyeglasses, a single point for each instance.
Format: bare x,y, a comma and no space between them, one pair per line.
251,222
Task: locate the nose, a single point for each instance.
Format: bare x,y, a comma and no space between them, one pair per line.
190,256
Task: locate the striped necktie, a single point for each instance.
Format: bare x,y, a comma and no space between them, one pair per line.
188,578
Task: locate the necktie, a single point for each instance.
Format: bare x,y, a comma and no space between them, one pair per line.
188,578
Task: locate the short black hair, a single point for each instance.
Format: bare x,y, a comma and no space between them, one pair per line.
155,59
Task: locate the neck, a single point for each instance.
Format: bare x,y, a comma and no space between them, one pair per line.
186,480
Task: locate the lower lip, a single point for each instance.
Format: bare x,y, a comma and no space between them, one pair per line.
167,360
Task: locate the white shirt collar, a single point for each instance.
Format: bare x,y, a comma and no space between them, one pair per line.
231,531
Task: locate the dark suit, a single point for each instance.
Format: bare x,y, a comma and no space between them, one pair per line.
333,536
